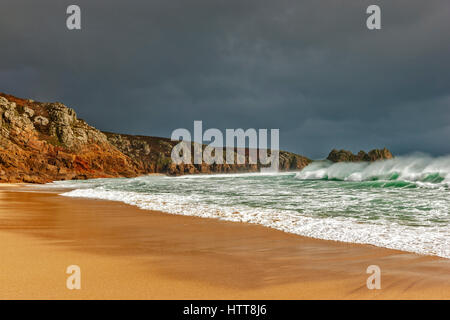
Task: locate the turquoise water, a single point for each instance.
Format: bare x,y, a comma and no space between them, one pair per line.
401,204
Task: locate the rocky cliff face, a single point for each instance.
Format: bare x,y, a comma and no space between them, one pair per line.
347,156
153,155
42,142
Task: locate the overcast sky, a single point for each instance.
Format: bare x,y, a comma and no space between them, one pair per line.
310,68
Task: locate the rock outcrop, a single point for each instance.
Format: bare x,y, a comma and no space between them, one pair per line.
43,142
348,156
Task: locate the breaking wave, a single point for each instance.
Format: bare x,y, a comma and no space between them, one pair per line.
408,171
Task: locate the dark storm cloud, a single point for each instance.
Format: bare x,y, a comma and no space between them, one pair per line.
310,68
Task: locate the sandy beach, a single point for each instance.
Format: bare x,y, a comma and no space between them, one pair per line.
128,253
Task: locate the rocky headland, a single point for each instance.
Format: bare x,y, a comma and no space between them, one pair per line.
348,156
43,142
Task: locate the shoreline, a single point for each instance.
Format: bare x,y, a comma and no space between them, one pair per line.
165,256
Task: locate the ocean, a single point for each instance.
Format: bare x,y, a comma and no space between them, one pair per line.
402,203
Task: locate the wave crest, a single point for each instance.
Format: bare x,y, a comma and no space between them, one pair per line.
414,168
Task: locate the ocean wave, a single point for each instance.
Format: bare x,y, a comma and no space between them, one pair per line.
418,239
407,171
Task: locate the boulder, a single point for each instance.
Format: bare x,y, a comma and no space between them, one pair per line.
28,112
41,121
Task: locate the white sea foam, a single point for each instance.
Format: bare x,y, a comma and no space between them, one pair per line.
414,168
400,204
425,240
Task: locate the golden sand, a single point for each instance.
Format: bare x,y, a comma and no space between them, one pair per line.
128,253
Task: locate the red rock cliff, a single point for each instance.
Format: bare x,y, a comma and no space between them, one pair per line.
41,142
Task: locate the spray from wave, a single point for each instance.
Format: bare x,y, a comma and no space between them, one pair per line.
419,169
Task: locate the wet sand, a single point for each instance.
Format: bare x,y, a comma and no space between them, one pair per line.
128,253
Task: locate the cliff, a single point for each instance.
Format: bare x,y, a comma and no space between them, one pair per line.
348,156
153,155
43,142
